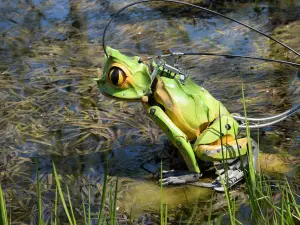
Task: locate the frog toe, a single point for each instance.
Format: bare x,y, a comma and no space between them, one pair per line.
172,181
229,178
179,177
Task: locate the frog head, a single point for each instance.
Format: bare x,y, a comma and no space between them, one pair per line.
124,77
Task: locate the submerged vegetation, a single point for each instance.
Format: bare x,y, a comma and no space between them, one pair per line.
272,202
52,112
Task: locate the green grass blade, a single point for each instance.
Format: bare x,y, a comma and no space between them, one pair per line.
274,208
229,204
225,183
70,204
110,207
282,206
105,219
89,208
83,208
193,214
161,197
115,202
38,187
250,153
61,195
10,216
55,206
292,197
210,210
166,215
3,212
100,214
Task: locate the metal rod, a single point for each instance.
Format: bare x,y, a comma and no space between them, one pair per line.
290,111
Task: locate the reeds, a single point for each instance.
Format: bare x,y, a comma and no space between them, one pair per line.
66,201
268,206
86,207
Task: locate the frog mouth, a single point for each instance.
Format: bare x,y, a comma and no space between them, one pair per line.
119,98
114,93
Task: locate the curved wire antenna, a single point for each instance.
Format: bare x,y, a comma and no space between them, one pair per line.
268,120
195,6
227,56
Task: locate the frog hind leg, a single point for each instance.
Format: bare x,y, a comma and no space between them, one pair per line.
218,144
235,169
180,140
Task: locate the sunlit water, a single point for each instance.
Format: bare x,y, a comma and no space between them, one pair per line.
50,107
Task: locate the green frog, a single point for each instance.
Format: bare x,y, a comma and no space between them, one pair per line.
197,124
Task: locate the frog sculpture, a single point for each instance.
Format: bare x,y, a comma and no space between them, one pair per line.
197,124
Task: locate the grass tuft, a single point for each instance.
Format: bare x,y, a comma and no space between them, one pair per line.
62,195
103,196
38,187
3,212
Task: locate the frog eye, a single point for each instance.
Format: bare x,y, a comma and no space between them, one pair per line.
116,76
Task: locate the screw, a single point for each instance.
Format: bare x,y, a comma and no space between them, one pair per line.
227,126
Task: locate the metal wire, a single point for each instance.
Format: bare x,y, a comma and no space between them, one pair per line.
225,55
195,6
290,111
244,57
244,126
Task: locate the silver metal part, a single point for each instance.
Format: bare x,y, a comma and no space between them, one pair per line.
154,73
295,108
172,54
183,74
172,69
177,53
268,120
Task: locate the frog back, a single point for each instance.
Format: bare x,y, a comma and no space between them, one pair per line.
189,106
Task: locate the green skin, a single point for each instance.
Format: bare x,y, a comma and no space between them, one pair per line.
186,112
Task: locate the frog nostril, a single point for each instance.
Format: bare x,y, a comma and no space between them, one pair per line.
99,73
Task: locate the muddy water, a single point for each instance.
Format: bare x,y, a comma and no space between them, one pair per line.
50,107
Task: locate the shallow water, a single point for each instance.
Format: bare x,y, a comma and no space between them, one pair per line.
50,106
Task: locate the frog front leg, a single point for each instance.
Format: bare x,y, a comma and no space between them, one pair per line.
180,140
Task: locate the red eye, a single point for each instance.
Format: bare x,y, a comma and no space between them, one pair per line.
116,76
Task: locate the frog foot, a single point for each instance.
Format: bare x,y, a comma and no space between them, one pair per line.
228,178
177,177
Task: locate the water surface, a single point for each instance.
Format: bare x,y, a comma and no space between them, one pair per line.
51,108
